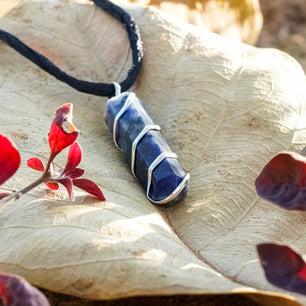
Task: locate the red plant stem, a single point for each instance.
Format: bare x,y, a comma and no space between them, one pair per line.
45,177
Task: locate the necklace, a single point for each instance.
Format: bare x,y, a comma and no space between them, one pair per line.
151,160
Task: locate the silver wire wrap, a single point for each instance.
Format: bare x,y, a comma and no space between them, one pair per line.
173,195
177,190
144,131
117,88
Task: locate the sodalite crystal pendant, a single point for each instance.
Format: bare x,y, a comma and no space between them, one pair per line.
146,151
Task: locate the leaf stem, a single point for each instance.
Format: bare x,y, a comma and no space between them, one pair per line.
45,177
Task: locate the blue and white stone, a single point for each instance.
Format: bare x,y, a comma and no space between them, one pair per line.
151,160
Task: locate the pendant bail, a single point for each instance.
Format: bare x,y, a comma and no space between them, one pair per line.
117,88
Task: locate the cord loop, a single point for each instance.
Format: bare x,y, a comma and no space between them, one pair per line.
98,89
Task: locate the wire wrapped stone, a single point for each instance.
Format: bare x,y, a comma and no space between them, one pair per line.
151,160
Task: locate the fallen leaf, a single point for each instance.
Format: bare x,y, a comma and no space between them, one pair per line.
224,107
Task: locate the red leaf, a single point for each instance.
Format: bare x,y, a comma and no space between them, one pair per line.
283,181
16,291
9,159
53,186
90,187
36,164
59,139
3,195
67,182
283,267
74,173
74,157
64,113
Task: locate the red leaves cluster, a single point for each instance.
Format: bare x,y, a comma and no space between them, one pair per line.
14,290
59,139
70,175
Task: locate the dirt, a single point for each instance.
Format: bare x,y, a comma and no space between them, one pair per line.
178,300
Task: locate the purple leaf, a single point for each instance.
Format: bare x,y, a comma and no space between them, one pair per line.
67,182
283,181
74,173
283,267
16,291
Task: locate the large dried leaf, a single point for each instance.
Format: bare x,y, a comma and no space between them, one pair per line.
226,108
238,19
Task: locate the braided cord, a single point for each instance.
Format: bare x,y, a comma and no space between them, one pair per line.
98,89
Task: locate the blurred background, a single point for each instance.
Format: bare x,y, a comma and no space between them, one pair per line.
284,27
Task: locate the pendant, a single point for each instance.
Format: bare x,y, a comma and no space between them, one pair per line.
151,160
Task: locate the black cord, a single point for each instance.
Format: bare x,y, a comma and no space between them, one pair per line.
98,89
